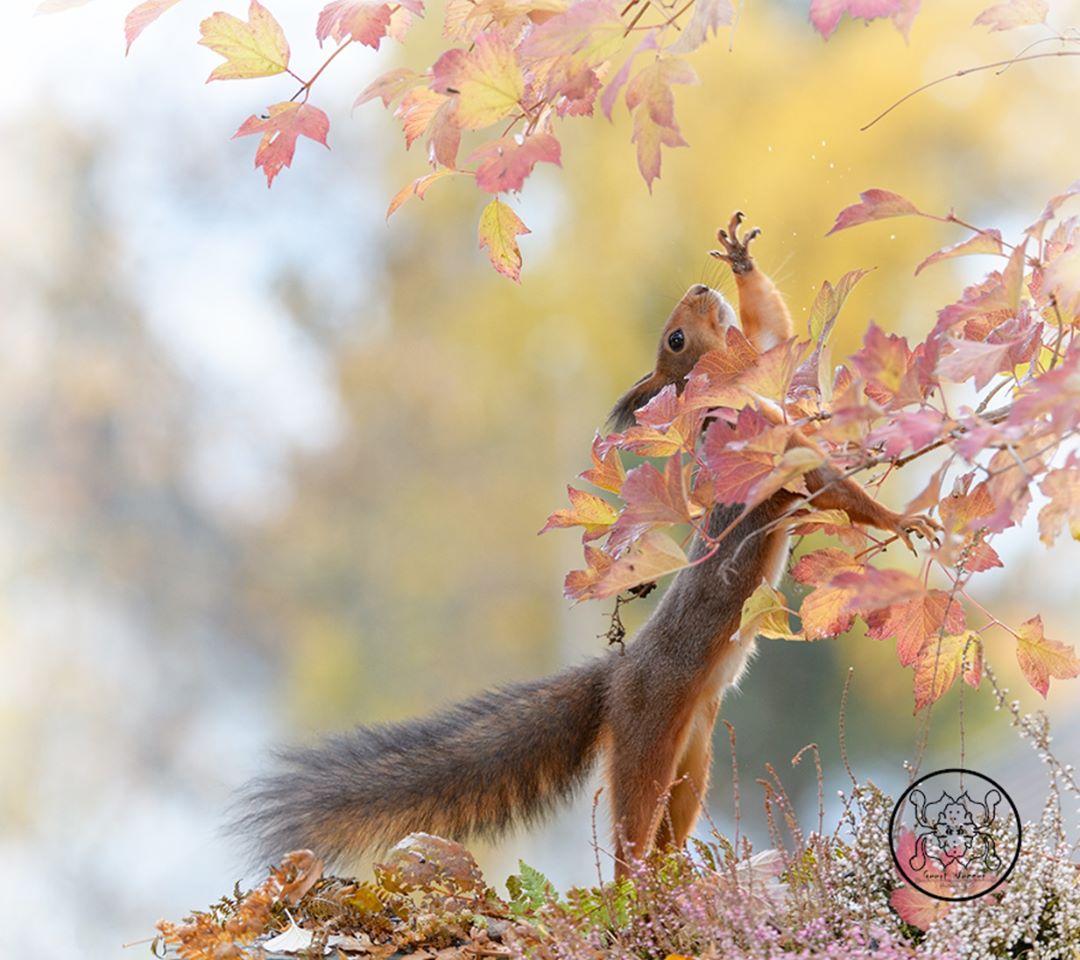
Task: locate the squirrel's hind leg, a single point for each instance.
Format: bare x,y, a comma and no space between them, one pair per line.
691,780
644,750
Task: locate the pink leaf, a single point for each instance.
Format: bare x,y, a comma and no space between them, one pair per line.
973,360
873,205
506,162
366,23
988,241
280,128
825,14
388,86
142,16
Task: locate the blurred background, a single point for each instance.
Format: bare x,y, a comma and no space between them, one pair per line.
271,466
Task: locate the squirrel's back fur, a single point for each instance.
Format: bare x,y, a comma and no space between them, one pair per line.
502,758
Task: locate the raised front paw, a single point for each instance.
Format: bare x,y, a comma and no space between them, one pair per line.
736,251
922,526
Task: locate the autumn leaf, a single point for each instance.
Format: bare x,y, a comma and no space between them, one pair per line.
707,16
611,92
488,81
280,128
1041,658
986,241
1062,279
653,556
506,162
743,458
253,48
873,205
579,584
770,377
821,566
823,612
587,34
587,510
499,229
765,614
366,23
825,14
963,511
652,499
828,303
652,103
417,112
607,471
915,623
913,906
737,356
914,429
418,188
942,661
976,361
1062,488
1014,13
388,86
872,588
916,907
885,361
142,16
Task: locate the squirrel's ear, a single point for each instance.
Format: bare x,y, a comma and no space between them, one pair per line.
622,414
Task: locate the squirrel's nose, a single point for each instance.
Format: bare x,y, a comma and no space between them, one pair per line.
699,289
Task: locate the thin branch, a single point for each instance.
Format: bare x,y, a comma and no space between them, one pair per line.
964,73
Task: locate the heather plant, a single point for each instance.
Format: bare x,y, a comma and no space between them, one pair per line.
822,893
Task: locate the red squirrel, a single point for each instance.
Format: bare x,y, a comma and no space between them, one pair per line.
510,755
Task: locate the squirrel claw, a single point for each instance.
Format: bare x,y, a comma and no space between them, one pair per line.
922,526
736,251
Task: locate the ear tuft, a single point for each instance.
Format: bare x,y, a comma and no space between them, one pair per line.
622,414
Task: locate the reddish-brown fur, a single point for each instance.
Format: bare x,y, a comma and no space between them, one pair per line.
511,754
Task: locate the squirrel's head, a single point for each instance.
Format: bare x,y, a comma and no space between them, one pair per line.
695,327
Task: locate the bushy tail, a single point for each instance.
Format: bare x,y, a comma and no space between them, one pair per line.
505,757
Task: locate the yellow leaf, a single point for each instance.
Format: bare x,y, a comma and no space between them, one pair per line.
765,614
586,510
1042,658
253,48
942,661
499,230
489,83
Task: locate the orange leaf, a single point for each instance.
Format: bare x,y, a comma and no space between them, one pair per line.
607,471
916,623
579,584
586,510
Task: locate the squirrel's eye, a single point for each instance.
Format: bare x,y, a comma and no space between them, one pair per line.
676,340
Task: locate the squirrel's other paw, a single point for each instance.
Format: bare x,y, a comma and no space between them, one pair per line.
922,526
736,251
